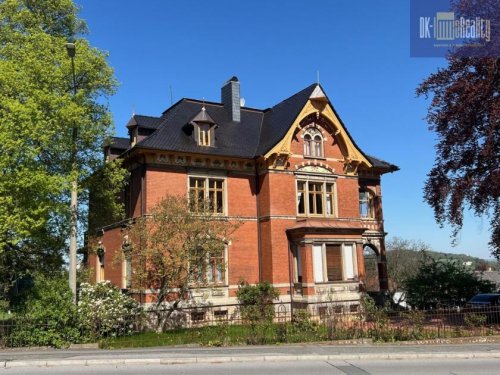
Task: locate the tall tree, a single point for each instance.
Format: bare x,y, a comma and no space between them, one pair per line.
465,114
37,113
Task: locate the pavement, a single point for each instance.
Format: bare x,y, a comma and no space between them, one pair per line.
483,348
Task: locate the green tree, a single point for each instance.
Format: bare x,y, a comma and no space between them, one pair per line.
37,114
46,314
443,283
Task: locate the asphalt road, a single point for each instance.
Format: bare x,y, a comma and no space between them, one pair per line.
365,367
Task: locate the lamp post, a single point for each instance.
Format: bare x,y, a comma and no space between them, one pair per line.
71,50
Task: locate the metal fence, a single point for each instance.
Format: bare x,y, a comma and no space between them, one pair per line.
288,322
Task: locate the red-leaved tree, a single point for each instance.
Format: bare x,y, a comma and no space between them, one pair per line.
465,114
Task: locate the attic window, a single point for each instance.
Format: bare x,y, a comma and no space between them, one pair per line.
313,144
204,135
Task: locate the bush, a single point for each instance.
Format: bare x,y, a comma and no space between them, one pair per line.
105,311
47,315
257,302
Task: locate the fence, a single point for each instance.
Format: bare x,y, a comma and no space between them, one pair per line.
229,324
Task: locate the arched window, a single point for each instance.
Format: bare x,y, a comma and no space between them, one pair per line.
318,146
307,145
366,204
313,144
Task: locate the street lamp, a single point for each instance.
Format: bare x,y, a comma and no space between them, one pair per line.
71,49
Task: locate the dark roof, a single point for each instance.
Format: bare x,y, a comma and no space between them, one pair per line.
278,119
237,139
119,143
149,122
379,163
256,133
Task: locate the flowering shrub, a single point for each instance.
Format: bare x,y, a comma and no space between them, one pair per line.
105,311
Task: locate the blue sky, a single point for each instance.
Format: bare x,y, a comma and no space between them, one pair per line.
361,49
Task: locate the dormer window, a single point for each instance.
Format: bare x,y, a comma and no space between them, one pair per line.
313,144
204,135
204,128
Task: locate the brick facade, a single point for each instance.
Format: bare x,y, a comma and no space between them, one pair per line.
276,242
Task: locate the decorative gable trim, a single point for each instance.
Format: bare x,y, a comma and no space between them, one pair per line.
314,107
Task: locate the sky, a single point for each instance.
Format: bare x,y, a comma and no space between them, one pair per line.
164,50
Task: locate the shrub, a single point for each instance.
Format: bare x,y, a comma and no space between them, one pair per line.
47,315
105,311
257,302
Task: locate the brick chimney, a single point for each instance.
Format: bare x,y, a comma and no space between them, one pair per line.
230,98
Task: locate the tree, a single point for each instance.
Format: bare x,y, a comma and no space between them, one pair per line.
465,114
403,258
175,248
37,114
443,283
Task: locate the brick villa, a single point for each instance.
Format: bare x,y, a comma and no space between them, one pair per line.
308,196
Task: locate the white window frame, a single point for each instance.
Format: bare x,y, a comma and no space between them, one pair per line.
349,274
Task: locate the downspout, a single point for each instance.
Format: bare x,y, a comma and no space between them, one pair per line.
290,277
259,245
143,209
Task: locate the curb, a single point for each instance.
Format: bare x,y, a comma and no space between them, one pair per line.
272,358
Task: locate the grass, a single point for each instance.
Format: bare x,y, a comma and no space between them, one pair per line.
220,335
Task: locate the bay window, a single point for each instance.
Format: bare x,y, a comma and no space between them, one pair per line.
334,262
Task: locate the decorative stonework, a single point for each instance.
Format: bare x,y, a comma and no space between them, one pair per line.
314,169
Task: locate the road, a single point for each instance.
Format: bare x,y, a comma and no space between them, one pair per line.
360,367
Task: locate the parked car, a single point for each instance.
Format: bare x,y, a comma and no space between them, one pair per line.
484,300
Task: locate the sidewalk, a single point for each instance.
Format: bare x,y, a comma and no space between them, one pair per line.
183,355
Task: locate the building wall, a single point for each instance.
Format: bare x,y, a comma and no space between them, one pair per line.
265,205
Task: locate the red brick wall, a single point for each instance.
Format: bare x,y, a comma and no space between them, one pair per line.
162,182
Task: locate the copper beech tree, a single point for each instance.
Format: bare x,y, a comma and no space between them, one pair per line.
465,115
178,247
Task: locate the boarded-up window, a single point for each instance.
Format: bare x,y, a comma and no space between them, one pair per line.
333,263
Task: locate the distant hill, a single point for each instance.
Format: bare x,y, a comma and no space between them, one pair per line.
471,262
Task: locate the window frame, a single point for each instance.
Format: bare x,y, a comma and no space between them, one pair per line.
369,201
313,147
209,271
320,262
207,191
328,193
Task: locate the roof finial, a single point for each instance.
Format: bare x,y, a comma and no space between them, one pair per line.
317,76
203,107
133,110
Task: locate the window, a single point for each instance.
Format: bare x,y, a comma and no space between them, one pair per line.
315,198
334,262
366,204
313,144
206,268
207,194
297,263
307,145
204,136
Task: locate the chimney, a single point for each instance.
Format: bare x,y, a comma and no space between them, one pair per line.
230,97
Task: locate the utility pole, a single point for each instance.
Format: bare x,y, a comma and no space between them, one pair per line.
71,49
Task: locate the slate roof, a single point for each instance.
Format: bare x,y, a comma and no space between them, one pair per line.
149,122
256,133
379,163
119,143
